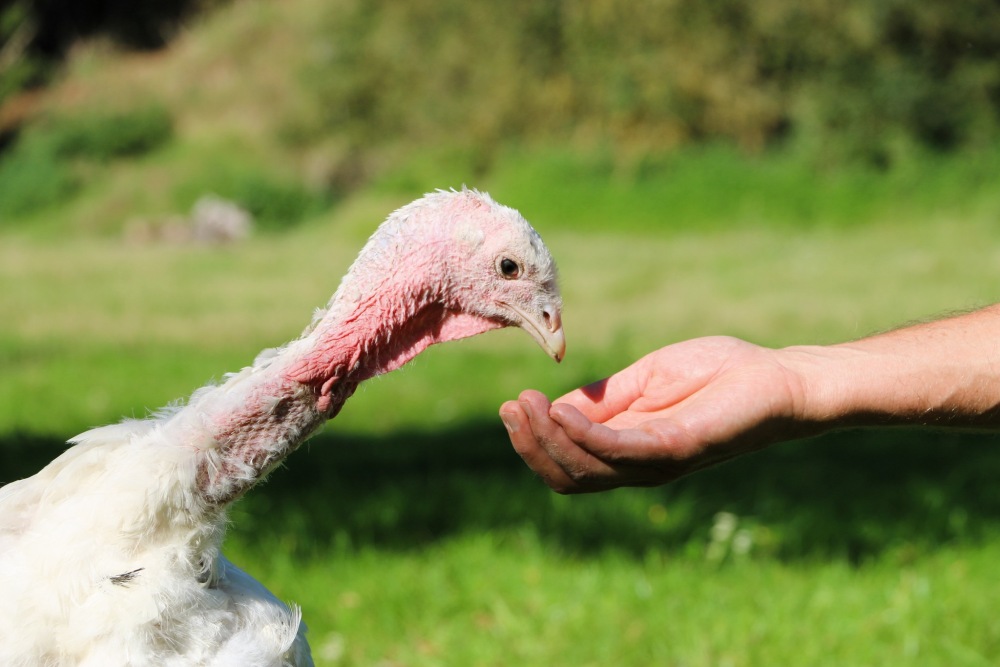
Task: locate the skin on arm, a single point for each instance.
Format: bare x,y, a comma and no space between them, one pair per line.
690,405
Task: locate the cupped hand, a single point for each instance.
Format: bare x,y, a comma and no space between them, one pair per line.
676,410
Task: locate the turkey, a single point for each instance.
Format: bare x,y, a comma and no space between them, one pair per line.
110,555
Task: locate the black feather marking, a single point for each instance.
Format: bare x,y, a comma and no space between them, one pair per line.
125,578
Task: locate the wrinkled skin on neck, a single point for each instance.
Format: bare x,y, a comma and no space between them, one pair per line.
398,299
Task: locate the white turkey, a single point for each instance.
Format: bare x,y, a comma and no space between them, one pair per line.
111,554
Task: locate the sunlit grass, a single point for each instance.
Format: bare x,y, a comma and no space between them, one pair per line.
710,187
504,599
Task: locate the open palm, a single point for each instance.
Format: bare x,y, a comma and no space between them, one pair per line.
676,410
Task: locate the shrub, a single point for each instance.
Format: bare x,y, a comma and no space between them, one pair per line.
18,67
274,203
103,136
37,170
860,81
32,178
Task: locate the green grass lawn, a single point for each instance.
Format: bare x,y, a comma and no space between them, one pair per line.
411,534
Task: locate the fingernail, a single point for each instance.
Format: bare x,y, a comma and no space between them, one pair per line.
509,421
527,408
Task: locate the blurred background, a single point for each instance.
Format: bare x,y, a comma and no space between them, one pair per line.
182,182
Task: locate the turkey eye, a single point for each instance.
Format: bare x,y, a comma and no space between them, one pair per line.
509,268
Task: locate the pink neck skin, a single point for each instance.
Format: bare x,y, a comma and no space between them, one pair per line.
260,418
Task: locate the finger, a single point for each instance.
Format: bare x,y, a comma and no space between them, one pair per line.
526,445
581,429
578,464
652,442
610,444
603,399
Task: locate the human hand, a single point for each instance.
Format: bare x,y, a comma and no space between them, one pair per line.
677,410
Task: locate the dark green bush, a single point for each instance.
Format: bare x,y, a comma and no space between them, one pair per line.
37,170
857,80
274,203
104,136
19,67
32,178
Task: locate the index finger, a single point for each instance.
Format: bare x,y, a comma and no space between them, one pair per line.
600,401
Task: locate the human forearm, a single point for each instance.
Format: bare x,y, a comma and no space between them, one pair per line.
945,372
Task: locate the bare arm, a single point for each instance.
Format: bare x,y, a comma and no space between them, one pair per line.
945,372
692,404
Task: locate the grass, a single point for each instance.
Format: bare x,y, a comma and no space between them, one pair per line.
414,536
538,608
710,187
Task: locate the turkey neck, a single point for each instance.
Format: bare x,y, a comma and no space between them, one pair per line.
263,413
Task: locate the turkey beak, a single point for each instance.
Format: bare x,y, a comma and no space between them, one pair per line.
550,333
545,327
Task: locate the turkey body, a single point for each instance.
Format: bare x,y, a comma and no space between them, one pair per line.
141,587
111,554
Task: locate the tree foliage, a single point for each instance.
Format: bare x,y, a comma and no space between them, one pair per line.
854,79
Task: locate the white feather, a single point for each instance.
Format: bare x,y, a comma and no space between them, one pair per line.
108,557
